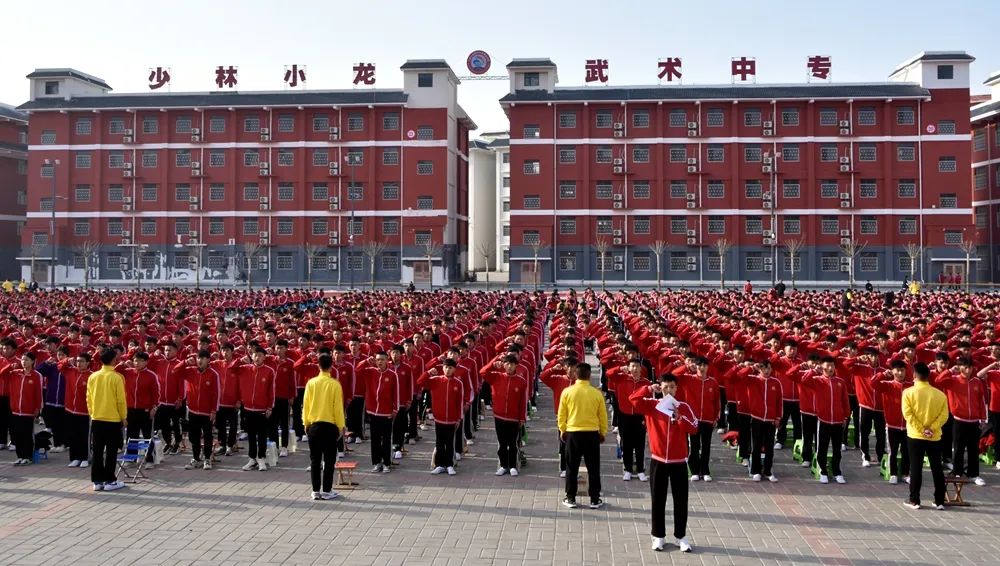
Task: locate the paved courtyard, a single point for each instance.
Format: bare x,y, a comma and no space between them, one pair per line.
227,516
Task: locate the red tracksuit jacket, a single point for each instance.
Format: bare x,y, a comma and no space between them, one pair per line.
624,385
168,372
668,437
381,391
966,397
510,394
764,398
204,390
229,382
25,390
890,395
256,387
832,404
447,396
702,395
76,389
863,376
142,388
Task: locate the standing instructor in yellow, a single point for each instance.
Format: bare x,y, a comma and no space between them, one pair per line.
107,408
583,423
925,410
323,418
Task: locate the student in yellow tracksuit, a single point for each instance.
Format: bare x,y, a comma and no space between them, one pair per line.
323,418
583,424
108,412
925,410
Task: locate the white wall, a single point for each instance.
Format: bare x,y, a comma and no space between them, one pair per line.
482,206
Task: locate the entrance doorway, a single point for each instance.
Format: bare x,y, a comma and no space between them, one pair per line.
420,272
952,275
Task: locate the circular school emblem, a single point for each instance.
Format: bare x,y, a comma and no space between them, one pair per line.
207,382
516,389
263,380
385,380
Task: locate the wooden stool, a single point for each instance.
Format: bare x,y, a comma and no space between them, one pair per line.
345,474
957,500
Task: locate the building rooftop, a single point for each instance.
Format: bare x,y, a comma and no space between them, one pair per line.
934,56
412,64
67,72
531,62
11,113
500,142
984,111
220,99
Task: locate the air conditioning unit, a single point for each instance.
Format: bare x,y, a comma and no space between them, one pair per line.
193,262
765,204
768,124
845,268
767,169
845,233
768,159
691,259
193,206
264,135
126,208
692,196
619,126
845,168
193,200
845,123
692,267
265,206
334,203
845,260
845,132
692,233
845,159
127,173
616,197
618,169
618,161
126,234
768,132
617,233
845,196
692,168
193,234
127,200
265,171
196,164
845,241
692,125
768,242
692,204
334,238
692,160
619,133
334,168
618,204
195,131
768,261
767,267
692,241
195,139
618,241
127,139
845,204
264,238
126,242
265,131
129,132
264,165
692,133
262,263
619,259
768,234
334,133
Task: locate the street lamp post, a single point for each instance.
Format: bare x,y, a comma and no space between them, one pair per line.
197,262
52,223
351,162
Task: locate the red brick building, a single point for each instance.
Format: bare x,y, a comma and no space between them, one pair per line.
216,187
758,165
986,178
13,166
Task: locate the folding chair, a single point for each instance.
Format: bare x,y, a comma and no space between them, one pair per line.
135,453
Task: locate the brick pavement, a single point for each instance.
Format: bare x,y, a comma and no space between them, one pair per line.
227,516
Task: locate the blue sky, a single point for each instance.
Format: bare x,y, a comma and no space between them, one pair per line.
120,41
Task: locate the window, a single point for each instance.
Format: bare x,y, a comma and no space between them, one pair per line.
81,228
83,126
217,158
908,225
640,154
791,225
531,167
40,239
678,153
320,158
868,188
355,156
751,153
567,155
790,189
286,157
149,193
79,262
640,225
425,132
947,164
945,72
678,225
678,118
217,192
751,117
905,116
505,182
604,226
678,261
948,200
355,261
425,202
952,237
390,226
790,117
251,158
604,154
641,261
390,156
355,122
603,191
251,124
182,226
530,238
567,226
678,189
321,191
567,261
390,121
603,119
505,232
217,261
532,131
284,261
640,189
150,125
829,262
567,119
116,159
869,225
714,262
217,124
604,262
790,152
45,204
320,227
830,225
425,80
114,227
827,117
216,226
150,159
148,227
866,116
532,201
182,158
286,123
905,263
754,261
116,126
505,157
753,190
51,87
390,261
390,191
715,118
716,225
866,152
83,160
753,225
182,193
250,227
321,123
828,189
716,153
427,167
787,264
81,193
716,189
946,127
979,140
906,188
905,152
355,191
828,152
114,261
980,218
979,176
116,193
640,119
505,206
48,137
567,190
251,192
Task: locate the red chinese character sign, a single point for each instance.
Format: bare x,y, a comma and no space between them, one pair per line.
819,67
158,77
225,76
596,70
364,73
669,69
744,69
294,75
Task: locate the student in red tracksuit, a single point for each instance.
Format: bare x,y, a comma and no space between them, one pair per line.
784,364
306,368
284,396
557,379
204,391
225,418
168,413
256,393
77,415
832,411
889,388
990,375
702,393
631,425
967,404
447,400
142,396
381,390
668,452
404,373
864,372
24,384
509,388
766,404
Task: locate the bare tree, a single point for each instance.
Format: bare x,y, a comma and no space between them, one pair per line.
913,251
87,250
485,249
536,249
601,246
968,247
35,250
312,251
794,248
373,249
658,247
431,249
722,247
250,251
851,250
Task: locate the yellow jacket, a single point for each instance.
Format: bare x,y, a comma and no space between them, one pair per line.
924,407
581,408
106,396
323,401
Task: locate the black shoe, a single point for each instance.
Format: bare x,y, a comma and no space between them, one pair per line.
567,502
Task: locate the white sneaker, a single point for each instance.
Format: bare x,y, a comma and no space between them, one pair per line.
458,456
193,464
824,479
57,449
386,469
340,454
513,472
627,476
283,453
84,464
328,495
207,465
98,487
805,463
755,477
658,543
939,507
562,473
438,470
251,464
501,471
907,479
839,479
911,505
451,470
114,485
865,463
720,431
745,463
397,455
707,478
262,466
778,446
949,466
614,430
979,481
377,468
772,478
683,544
315,496
470,442
997,466
74,464
643,476
893,480
695,477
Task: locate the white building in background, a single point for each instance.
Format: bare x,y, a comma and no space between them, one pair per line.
489,201
501,147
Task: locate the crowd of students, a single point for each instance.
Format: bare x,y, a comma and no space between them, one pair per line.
382,366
